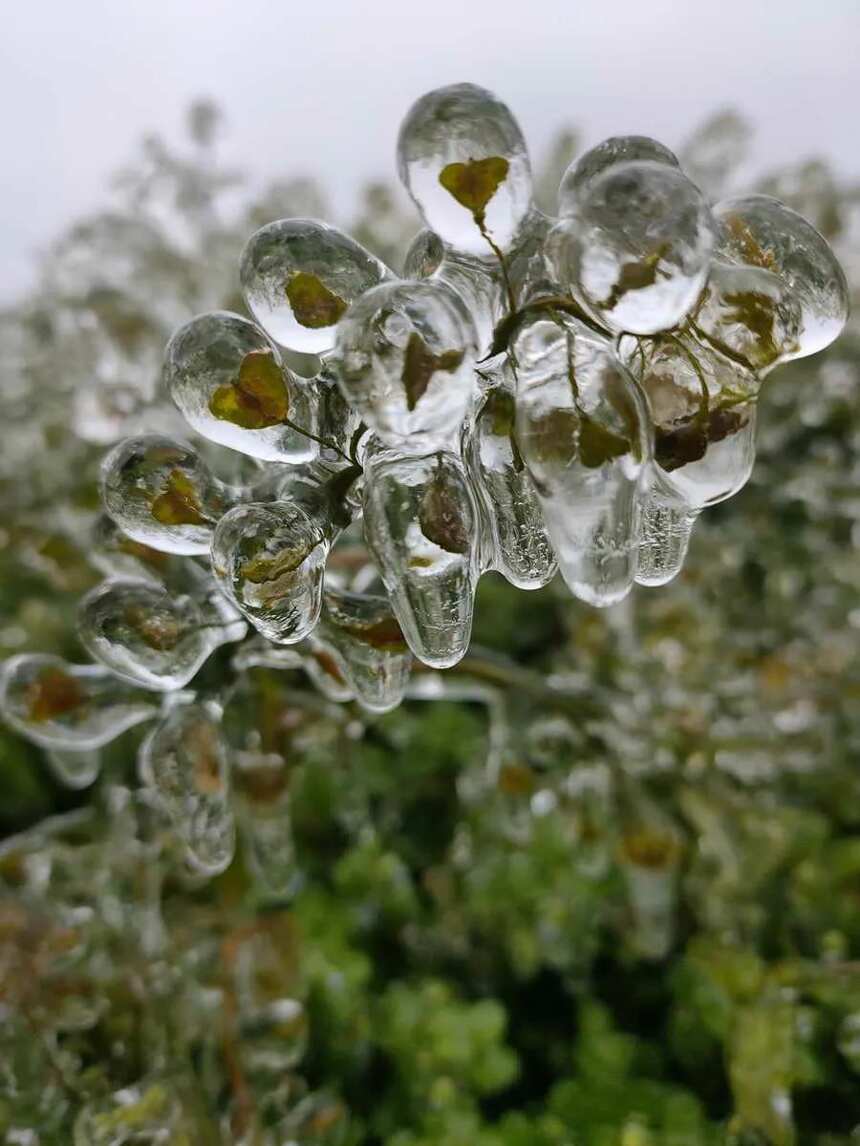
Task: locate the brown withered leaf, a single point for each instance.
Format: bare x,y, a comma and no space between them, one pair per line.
440,516
635,276
53,693
159,630
271,566
420,364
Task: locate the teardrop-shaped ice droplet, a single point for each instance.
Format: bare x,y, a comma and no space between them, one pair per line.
152,637
583,431
299,277
637,251
422,527
617,149
664,536
759,231
369,646
263,807
74,769
462,158
269,560
185,759
58,705
230,385
521,548
159,492
406,357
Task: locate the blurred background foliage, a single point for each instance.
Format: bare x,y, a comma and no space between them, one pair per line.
625,912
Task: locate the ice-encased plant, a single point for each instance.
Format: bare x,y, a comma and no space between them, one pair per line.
534,395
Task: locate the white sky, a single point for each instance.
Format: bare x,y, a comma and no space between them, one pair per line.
319,86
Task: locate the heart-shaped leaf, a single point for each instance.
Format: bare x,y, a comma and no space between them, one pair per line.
179,504
473,184
420,364
313,304
258,398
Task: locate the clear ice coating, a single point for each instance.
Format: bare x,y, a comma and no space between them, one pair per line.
148,635
299,276
185,760
582,431
636,252
229,383
422,528
759,231
520,546
269,560
367,643
406,359
68,707
161,493
616,149
536,393
462,158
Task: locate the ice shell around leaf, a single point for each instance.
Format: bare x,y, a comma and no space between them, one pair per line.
368,645
185,760
152,637
617,149
422,526
160,493
298,278
406,357
760,231
462,158
704,413
269,561
229,383
637,252
584,434
58,705
748,314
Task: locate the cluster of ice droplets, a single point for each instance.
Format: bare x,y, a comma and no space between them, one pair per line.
534,395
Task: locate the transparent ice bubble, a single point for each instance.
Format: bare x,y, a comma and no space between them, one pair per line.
759,231
748,314
229,383
159,492
616,149
406,358
299,276
637,252
424,256
704,414
421,525
583,432
148,635
324,671
368,645
521,550
269,560
186,761
462,158
59,705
